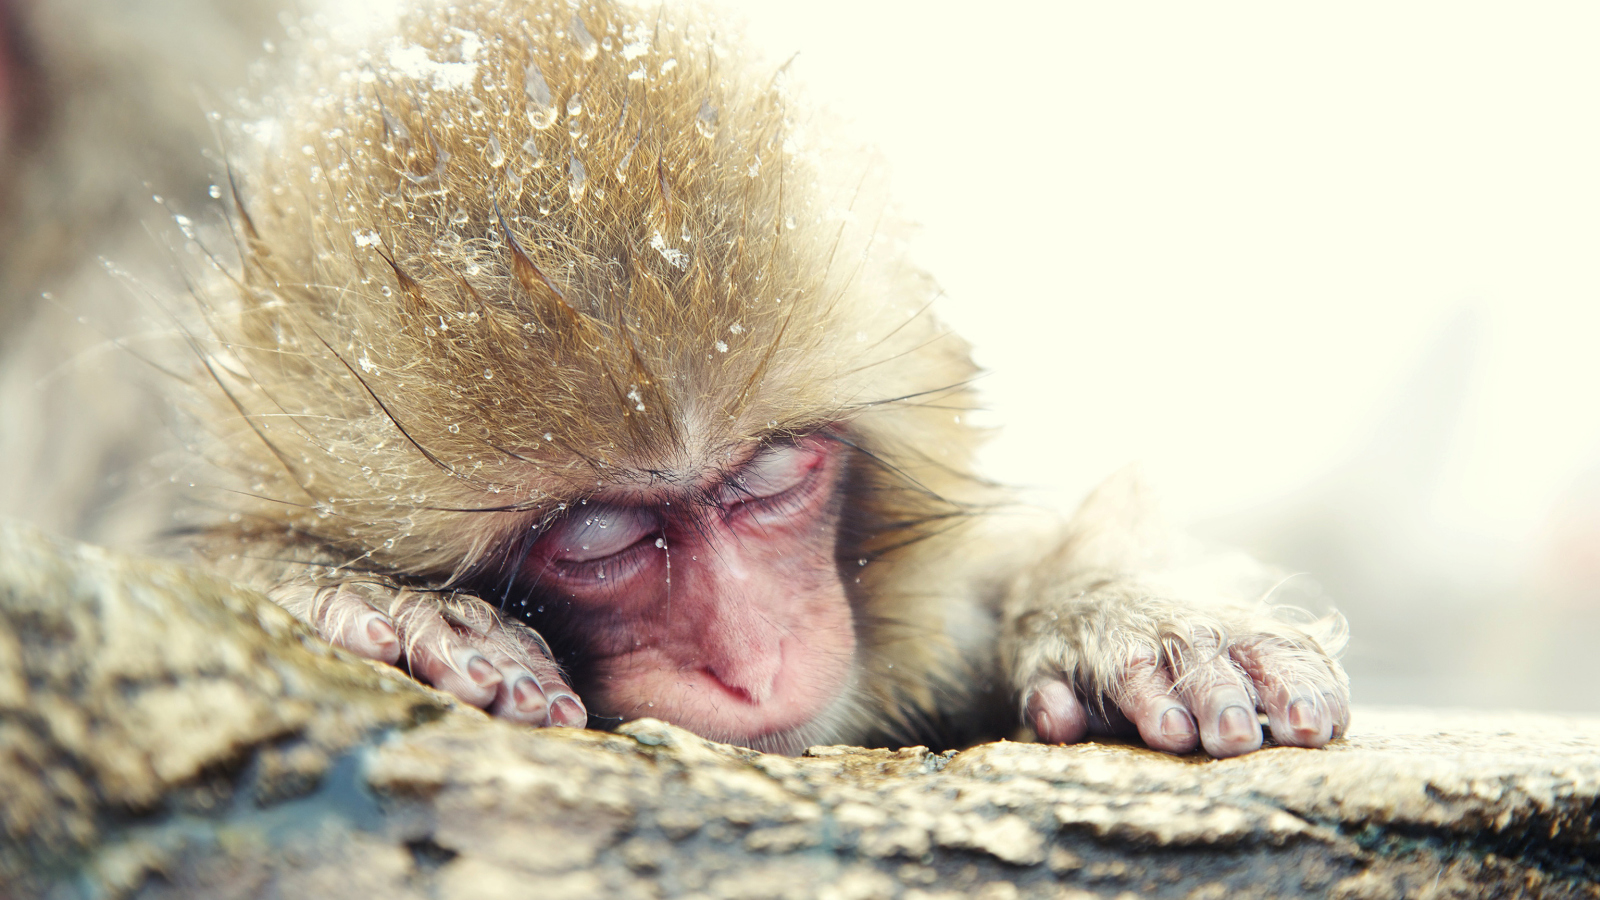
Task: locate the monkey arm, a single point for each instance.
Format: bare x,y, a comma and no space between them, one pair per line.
1118,628
453,641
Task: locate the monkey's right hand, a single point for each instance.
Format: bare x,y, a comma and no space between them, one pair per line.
455,642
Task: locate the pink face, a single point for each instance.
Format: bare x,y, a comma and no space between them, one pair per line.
719,609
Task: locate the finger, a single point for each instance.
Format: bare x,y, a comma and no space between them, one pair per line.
1219,698
1341,706
532,692
345,620
1146,698
438,655
1054,712
1303,703
515,645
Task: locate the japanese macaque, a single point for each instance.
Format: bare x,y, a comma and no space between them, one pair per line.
567,366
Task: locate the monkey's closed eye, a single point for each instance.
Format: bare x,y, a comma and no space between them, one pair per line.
775,471
599,531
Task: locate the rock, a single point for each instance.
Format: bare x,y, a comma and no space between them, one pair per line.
164,734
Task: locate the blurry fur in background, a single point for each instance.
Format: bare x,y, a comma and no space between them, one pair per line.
106,102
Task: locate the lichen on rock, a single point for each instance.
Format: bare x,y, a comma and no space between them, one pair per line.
167,734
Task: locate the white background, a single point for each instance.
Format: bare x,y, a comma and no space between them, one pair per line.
1330,271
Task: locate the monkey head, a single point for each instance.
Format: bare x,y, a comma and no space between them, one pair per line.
559,309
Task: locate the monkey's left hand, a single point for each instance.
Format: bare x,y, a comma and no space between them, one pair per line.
455,642
1111,658
1106,635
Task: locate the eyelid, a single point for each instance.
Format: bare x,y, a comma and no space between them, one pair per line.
598,532
774,471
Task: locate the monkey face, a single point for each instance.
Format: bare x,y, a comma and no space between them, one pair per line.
717,604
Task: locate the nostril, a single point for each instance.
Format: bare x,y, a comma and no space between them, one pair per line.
731,686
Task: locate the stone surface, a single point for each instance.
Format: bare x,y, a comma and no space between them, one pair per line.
166,735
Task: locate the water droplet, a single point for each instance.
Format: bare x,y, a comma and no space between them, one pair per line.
493,154
215,192
575,104
705,121
627,157
488,374
788,222
531,147
661,543
541,112
861,562
548,436
385,290
453,428
588,47
579,179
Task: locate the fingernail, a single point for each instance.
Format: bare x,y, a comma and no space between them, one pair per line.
1033,714
380,632
1302,717
1236,722
526,694
566,710
1177,724
1041,724
480,670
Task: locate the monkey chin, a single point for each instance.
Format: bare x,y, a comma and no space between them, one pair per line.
801,702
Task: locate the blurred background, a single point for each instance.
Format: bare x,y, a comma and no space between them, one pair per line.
1329,273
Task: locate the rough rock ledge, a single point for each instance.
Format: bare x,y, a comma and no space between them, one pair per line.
164,734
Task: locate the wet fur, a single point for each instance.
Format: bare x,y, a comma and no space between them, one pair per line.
422,356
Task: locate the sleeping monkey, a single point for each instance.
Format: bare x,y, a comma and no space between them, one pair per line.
568,365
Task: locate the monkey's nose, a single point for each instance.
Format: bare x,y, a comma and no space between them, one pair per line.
749,678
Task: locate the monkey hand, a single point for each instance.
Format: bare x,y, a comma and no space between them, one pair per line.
455,642
1112,657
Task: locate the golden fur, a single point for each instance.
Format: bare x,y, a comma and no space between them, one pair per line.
526,251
